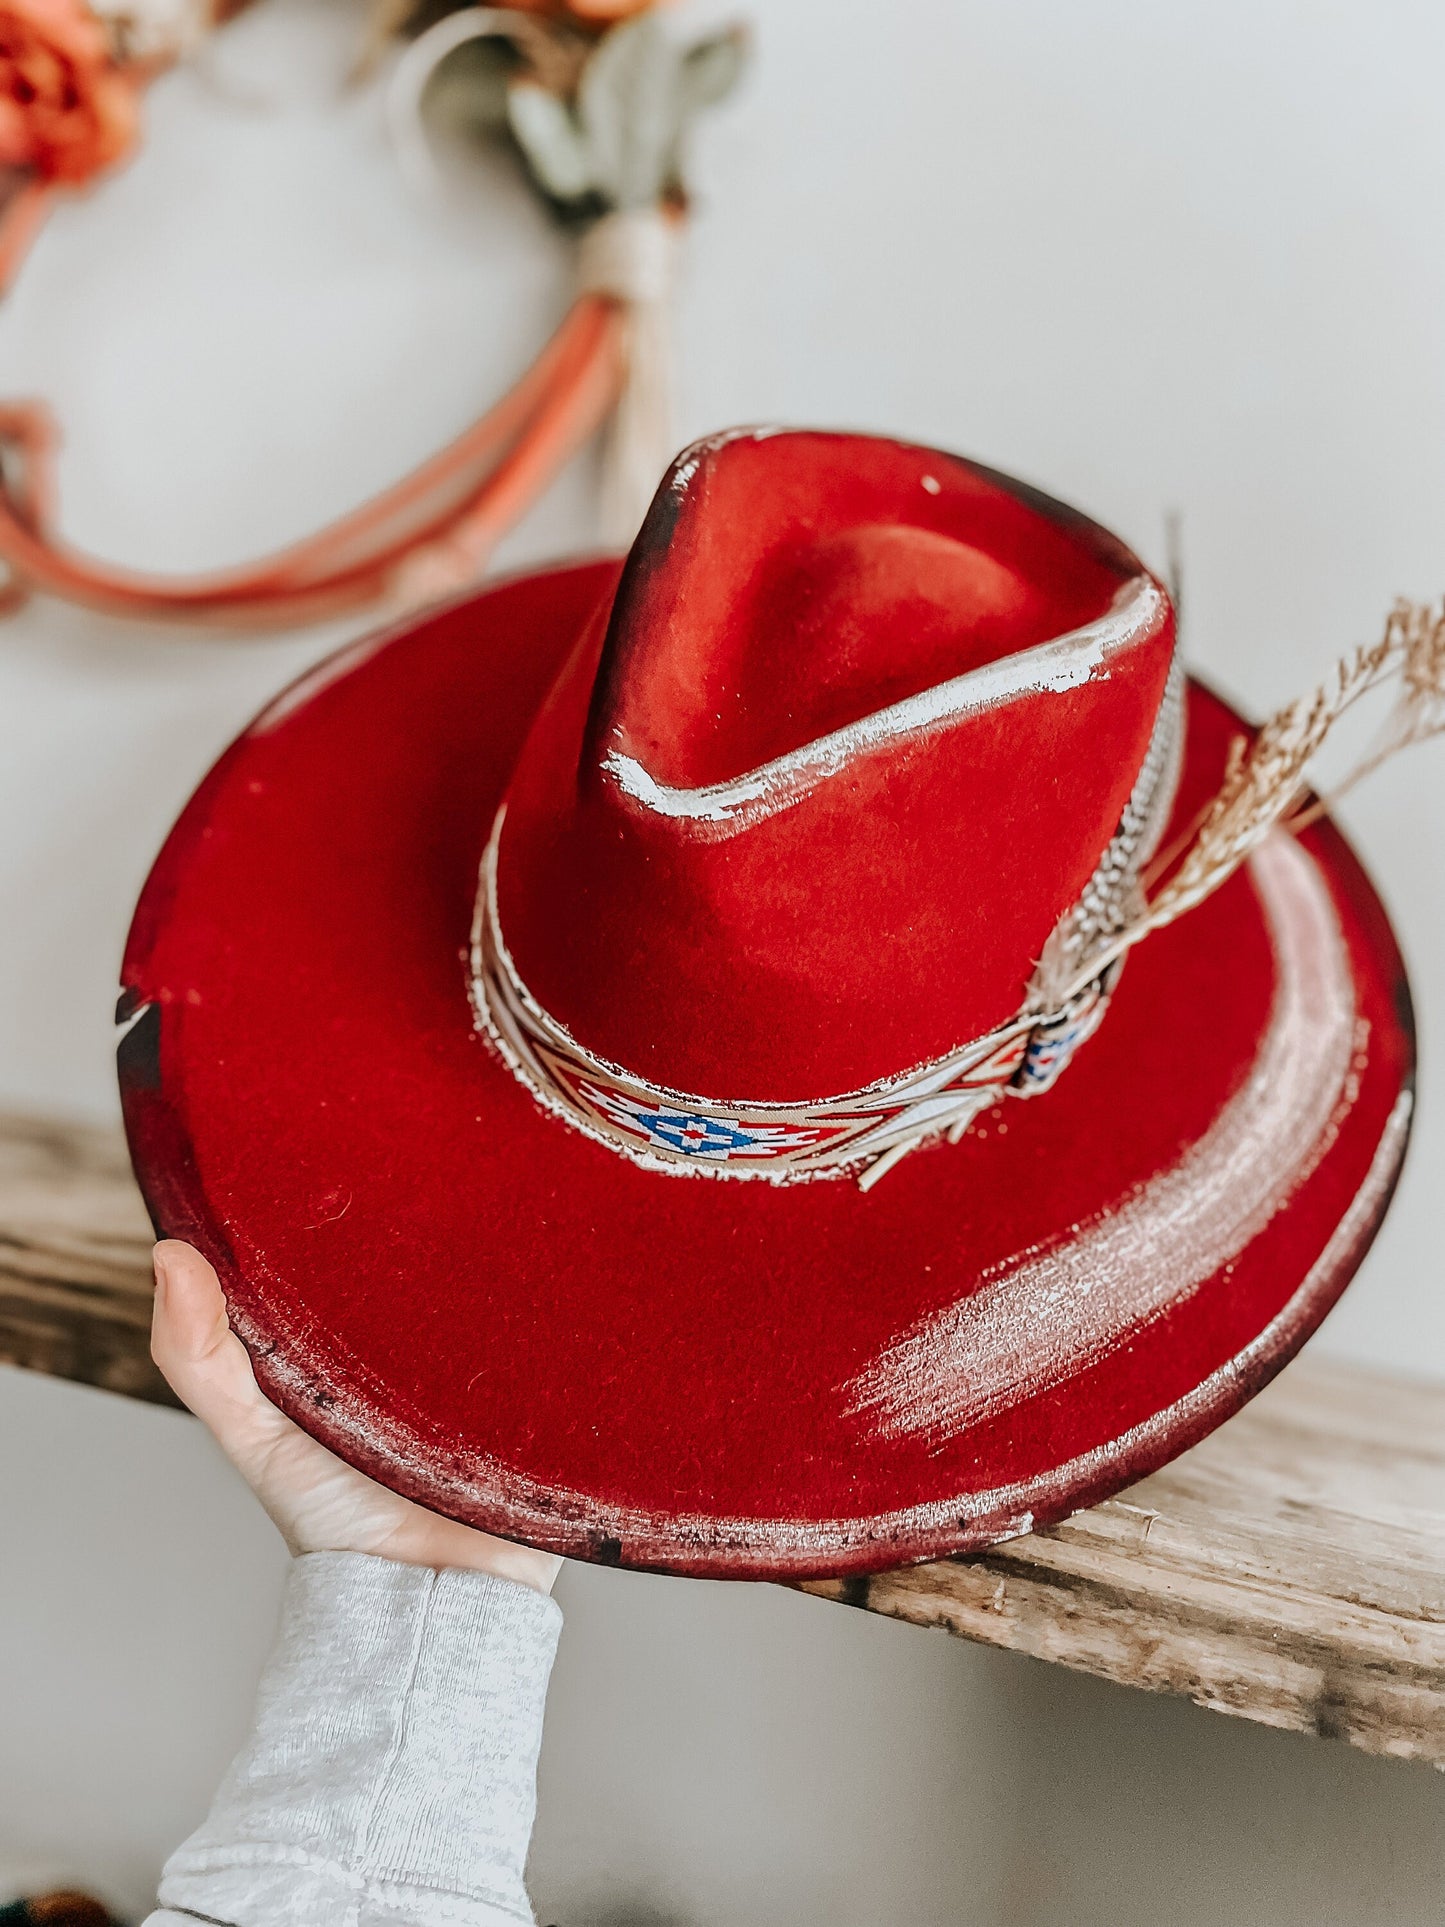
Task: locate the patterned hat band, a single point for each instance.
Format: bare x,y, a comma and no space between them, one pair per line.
864,1132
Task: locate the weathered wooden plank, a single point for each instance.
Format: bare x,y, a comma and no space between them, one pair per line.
1291,1569
75,1274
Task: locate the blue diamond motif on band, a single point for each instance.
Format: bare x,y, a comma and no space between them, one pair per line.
703,1137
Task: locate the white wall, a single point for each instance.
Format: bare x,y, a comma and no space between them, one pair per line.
1183,257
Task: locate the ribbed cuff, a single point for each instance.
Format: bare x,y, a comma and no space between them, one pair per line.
391,1773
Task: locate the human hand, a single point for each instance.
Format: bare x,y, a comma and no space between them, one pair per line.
318,1503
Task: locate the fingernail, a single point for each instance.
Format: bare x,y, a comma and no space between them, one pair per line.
163,1278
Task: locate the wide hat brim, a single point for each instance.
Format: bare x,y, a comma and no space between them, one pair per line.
508,1322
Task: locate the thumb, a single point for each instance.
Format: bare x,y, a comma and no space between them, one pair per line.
201,1358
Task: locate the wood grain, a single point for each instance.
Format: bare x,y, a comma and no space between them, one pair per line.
1291,1569
75,1273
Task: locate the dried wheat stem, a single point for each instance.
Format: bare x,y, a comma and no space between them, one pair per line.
1266,778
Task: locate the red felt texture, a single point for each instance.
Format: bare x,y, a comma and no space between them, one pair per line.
788,583
781,589
471,1300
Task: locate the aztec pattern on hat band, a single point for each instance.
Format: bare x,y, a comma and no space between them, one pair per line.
864,1131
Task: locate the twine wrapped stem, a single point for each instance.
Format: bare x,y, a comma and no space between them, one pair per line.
629,256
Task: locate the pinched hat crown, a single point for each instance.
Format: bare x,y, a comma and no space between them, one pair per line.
827,809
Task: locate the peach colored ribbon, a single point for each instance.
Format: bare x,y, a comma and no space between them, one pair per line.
429,534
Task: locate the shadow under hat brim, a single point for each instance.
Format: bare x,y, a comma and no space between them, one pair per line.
516,1326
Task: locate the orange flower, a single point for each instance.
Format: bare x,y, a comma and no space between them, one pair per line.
586,13
66,110
604,12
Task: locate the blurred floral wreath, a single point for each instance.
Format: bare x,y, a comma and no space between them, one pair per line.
596,98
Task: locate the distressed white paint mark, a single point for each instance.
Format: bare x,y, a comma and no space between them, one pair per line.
690,460
396,1437
1067,662
1044,1318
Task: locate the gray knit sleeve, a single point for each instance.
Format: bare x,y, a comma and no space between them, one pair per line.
390,1777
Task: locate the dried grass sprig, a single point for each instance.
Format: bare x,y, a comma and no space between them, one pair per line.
1265,778
1416,635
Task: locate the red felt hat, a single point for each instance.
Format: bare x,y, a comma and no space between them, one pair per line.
583,1028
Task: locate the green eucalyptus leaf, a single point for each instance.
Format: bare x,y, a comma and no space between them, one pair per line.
712,68
556,149
630,101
